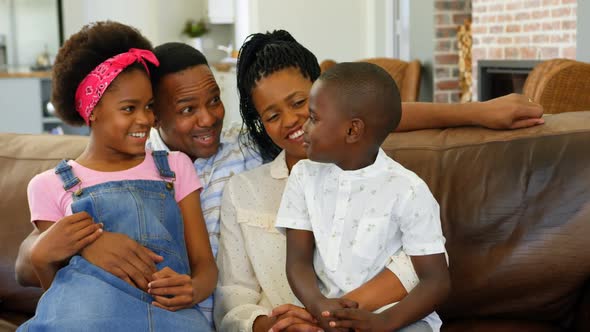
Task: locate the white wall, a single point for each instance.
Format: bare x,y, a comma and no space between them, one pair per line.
159,20
36,28
421,38
29,27
331,29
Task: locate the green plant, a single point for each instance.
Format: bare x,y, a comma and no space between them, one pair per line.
194,29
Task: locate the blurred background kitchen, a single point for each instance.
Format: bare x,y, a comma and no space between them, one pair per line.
31,32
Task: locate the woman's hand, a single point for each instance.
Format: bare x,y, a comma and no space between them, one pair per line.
289,317
171,290
507,112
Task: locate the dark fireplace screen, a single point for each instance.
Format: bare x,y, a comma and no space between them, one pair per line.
500,77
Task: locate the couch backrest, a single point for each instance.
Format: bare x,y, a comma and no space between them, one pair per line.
511,205
21,158
515,213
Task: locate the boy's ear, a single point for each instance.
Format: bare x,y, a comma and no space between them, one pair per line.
356,131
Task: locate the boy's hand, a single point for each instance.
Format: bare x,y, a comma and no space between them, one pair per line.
325,305
290,317
61,240
357,319
171,290
321,307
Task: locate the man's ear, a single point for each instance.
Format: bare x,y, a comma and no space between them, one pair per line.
356,131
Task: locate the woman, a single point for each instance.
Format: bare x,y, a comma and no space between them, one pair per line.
275,74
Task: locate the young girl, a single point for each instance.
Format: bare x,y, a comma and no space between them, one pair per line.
101,79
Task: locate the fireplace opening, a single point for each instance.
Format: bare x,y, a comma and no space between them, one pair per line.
497,78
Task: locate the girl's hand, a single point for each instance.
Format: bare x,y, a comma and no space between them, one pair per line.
357,319
171,290
290,317
61,240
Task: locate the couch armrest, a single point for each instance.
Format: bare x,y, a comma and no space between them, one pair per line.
583,313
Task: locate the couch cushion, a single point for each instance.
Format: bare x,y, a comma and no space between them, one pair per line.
511,206
21,158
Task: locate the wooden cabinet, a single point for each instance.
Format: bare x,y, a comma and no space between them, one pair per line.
23,106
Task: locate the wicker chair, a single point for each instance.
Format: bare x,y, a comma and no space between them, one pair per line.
560,85
405,74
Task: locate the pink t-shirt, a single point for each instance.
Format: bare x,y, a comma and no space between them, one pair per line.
49,201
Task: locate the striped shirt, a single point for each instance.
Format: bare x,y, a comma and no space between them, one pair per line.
214,172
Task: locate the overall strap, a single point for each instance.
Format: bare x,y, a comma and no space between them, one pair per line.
161,160
67,176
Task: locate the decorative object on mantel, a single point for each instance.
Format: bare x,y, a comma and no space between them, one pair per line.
43,62
464,43
194,30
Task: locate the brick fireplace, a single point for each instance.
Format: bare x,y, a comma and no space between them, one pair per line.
501,30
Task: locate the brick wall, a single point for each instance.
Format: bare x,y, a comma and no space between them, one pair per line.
523,29
448,14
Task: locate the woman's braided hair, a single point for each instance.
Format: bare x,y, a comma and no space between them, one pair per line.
261,55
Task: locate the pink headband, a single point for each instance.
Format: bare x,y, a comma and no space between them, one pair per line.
92,87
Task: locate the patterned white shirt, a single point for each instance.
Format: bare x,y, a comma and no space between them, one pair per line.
360,219
251,256
214,172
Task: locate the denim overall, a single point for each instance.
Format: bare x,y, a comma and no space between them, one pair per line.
84,297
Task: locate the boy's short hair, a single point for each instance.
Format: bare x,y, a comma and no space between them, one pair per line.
175,57
366,91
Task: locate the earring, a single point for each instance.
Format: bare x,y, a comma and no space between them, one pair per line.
91,117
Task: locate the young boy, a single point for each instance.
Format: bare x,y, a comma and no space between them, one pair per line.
350,207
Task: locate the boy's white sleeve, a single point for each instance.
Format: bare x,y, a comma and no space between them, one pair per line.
293,212
420,222
401,265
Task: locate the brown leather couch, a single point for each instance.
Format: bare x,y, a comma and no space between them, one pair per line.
514,204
